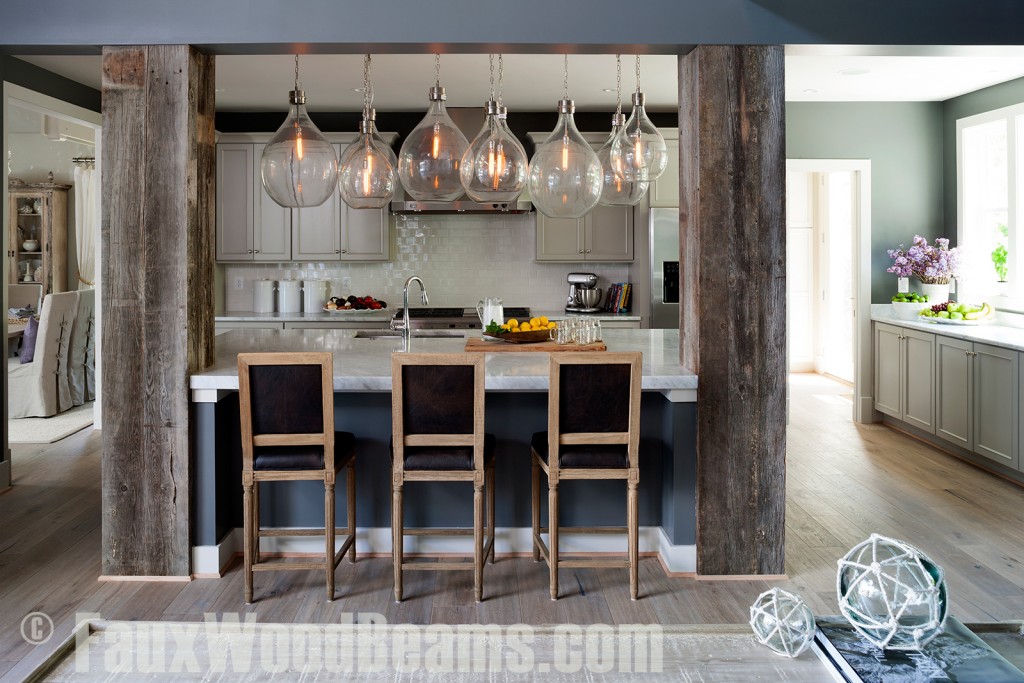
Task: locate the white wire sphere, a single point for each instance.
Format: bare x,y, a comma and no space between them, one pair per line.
299,174
782,621
892,593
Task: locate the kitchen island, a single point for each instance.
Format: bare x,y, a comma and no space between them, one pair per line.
516,385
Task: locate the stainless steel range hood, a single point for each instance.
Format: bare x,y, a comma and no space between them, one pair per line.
469,120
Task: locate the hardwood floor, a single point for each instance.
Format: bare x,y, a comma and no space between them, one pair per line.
844,481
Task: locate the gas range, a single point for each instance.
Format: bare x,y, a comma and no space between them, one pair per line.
452,318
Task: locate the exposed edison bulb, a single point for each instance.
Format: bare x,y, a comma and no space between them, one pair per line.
619,182
370,120
642,145
299,167
565,174
367,179
428,163
494,167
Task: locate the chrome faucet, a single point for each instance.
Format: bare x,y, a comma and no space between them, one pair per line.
406,331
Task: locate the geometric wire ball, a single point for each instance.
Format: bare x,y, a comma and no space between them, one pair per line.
782,621
892,593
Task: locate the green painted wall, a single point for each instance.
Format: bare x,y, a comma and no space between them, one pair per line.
987,99
904,141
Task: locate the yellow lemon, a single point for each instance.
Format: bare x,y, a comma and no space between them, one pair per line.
525,327
505,327
534,322
512,322
551,326
544,320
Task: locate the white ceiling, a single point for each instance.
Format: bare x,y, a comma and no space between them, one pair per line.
534,82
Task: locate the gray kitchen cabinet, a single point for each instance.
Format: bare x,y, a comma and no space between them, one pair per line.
272,223
954,395
250,225
665,190
904,375
604,234
315,235
365,234
339,325
996,387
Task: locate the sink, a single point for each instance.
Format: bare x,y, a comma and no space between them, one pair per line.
377,334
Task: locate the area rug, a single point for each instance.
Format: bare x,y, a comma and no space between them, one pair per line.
50,429
221,649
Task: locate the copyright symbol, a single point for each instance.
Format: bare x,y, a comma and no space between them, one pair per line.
36,628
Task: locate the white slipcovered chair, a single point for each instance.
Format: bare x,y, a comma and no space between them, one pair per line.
82,353
40,388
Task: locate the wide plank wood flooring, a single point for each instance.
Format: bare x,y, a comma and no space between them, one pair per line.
844,481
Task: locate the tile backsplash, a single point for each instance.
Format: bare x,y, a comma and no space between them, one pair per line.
460,259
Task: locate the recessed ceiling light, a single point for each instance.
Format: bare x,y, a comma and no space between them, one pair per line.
855,71
357,90
607,89
810,91
220,89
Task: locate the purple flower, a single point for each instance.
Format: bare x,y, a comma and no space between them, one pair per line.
931,264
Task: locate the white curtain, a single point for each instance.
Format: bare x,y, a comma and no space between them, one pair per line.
87,218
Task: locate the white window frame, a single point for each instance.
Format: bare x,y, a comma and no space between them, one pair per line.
1013,300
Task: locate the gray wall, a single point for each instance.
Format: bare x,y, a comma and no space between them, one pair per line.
904,141
995,97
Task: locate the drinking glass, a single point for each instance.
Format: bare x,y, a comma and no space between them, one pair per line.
597,330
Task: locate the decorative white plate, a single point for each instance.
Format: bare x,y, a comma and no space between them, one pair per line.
351,310
946,321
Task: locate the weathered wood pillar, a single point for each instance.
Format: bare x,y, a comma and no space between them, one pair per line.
157,260
733,318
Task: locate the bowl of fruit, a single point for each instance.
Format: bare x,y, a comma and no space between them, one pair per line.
526,332
954,313
338,304
908,305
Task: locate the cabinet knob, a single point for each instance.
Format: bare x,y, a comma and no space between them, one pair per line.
256,251
250,251
337,251
588,251
581,251
344,251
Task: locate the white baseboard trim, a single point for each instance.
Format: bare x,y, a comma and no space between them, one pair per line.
211,560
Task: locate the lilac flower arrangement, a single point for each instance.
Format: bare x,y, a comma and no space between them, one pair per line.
931,264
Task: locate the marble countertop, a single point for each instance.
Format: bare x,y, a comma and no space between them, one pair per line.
365,364
995,333
561,315
383,315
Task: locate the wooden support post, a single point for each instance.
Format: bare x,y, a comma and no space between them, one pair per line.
733,321
157,263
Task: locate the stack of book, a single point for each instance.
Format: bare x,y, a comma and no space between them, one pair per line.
618,299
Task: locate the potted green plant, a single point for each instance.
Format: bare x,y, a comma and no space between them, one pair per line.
999,256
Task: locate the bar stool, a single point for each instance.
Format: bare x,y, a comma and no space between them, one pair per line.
437,413
286,401
594,428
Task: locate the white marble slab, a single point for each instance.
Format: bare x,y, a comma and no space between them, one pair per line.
365,364
562,315
993,333
383,315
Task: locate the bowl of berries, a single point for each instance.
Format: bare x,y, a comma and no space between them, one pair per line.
338,304
908,305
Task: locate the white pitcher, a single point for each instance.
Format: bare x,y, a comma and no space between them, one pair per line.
490,309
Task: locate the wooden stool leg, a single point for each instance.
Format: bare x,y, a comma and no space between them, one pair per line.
329,534
553,537
350,492
247,552
634,540
478,541
490,511
396,538
256,525
535,504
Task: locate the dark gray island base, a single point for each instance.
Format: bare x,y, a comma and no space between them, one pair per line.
516,408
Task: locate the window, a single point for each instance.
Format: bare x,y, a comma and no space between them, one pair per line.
990,193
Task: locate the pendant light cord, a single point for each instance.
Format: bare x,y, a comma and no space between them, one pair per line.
297,86
367,90
501,75
565,79
638,73
618,85
437,69
490,58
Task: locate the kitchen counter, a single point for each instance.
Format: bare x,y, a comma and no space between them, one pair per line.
515,408
995,333
604,316
383,315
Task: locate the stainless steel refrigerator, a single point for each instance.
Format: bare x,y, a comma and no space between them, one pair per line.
664,229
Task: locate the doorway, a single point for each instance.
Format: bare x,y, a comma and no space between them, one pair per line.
828,272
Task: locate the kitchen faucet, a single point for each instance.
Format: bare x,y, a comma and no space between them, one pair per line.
406,332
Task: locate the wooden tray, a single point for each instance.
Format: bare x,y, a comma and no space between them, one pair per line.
483,346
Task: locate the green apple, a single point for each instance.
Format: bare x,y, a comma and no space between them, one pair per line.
956,315
943,314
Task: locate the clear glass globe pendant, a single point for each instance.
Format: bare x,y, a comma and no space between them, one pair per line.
619,182
428,163
381,142
299,167
494,167
565,174
641,146
367,179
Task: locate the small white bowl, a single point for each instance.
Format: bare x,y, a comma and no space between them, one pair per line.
909,310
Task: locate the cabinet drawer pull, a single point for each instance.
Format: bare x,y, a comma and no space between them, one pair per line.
256,251
250,251
344,251
581,251
588,251
337,251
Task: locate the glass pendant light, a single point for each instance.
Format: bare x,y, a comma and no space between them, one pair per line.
367,176
565,174
299,167
428,163
642,146
494,167
620,184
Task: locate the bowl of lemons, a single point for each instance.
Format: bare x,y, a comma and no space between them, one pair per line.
525,332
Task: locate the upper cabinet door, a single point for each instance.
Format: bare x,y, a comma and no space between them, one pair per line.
235,202
272,223
315,230
365,234
609,234
559,239
665,190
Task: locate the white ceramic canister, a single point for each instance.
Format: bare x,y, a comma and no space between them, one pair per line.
314,295
263,296
289,296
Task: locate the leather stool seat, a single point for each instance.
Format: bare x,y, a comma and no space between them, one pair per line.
304,457
445,457
595,455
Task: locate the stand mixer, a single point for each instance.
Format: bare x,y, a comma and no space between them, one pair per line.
584,296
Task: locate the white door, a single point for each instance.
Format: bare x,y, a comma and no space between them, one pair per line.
800,298
837,207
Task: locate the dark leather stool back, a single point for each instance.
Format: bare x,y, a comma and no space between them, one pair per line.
438,399
286,399
594,398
